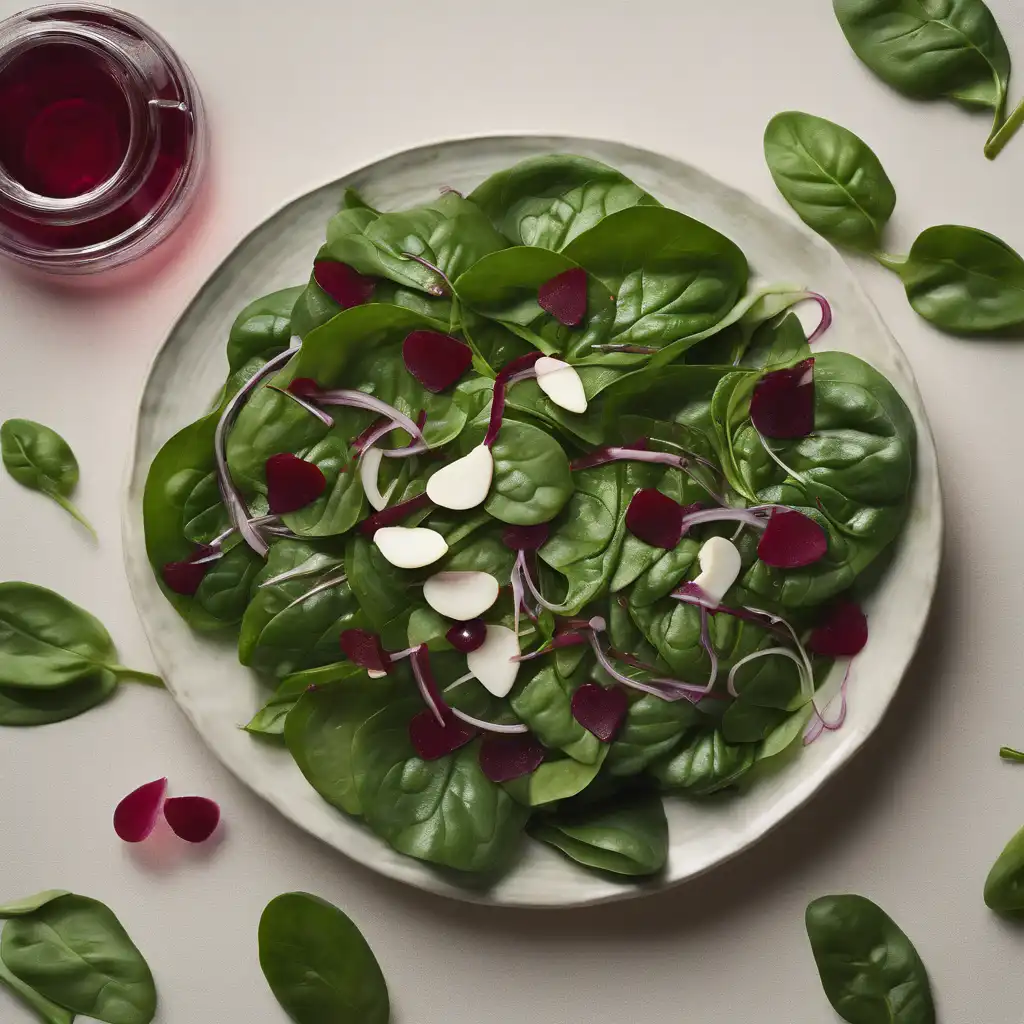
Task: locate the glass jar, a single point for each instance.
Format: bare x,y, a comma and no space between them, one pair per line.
102,138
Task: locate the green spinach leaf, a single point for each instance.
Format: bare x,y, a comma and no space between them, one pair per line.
543,701
40,459
318,965
705,764
1004,886
262,329
25,706
870,970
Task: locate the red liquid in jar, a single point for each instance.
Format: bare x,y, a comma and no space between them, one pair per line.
64,131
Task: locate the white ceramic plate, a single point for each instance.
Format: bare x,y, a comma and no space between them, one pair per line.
219,695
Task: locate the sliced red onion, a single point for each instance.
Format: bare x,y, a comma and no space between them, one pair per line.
327,584
420,661
784,652
365,650
436,360
372,434
842,634
292,483
524,571
525,538
568,638
807,676
782,405
820,723
637,350
342,283
307,569
432,741
237,511
691,593
565,297
361,400
325,418
520,368
655,518
504,758
792,540
136,815
518,596
479,723
600,710
394,514
440,290
468,636
826,316
709,648
192,818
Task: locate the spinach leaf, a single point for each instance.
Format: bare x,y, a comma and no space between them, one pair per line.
23,706
270,719
225,589
547,201
870,970
262,329
318,965
381,590
30,904
74,951
532,478
705,764
47,1010
745,722
1004,886
446,811
320,728
652,729
543,701
830,177
629,837
295,624
931,49
40,459
555,780
783,736
964,281
672,276
46,641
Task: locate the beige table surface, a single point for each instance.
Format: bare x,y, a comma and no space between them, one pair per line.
300,92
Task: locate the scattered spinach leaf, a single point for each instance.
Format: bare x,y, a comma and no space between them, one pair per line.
1004,886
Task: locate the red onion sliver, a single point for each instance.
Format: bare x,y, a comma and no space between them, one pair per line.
506,377
426,683
394,514
820,723
361,400
784,652
826,316
136,815
192,818
495,727
504,758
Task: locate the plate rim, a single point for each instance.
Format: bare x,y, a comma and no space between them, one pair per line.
795,797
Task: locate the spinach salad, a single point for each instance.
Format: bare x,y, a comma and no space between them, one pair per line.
536,506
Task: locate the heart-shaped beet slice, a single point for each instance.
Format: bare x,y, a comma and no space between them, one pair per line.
136,815
600,710
655,518
792,540
782,404
192,818
565,297
292,483
346,286
365,649
842,633
432,741
504,757
184,577
436,360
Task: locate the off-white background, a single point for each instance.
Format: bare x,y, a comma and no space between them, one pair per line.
300,92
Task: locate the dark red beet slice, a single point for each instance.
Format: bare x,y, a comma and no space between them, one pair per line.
504,757
467,636
783,402
184,577
393,514
192,818
791,541
525,538
304,387
565,297
136,815
292,483
365,649
436,360
600,710
431,740
843,632
346,286
655,518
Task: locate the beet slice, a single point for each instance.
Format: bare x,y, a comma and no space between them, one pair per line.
467,636
365,649
431,740
565,297
136,815
525,538
346,286
782,404
393,514
655,518
792,540
292,483
842,633
304,387
184,577
436,360
192,818
600,710
507,757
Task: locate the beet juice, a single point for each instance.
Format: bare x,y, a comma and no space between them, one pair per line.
102,138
